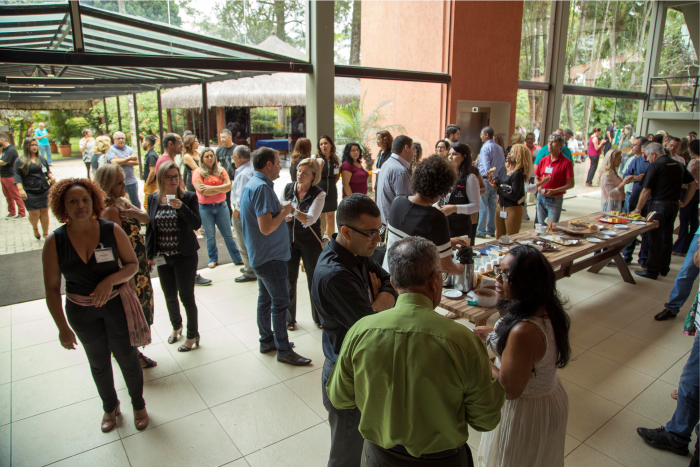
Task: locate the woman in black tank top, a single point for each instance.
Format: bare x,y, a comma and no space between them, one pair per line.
88,252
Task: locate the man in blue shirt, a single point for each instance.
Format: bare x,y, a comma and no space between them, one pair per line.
123,155
267,242
42,137
491,161
636,168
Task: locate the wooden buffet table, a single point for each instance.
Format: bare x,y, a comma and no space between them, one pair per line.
565,261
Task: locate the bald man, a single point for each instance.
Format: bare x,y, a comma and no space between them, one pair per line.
121,154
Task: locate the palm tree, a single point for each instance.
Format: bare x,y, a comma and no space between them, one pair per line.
353,124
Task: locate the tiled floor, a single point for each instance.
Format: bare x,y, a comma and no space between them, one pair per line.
226,404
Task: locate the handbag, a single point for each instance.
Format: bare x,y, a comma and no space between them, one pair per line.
323,242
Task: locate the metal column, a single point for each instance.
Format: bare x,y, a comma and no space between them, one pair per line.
657,24
104,102
136,123
119,113
160,117
205,116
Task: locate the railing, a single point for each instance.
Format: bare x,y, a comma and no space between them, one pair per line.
674,94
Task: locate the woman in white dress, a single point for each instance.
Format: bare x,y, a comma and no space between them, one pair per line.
529,342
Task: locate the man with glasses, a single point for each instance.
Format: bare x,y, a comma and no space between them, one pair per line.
418,380
347,286
124,155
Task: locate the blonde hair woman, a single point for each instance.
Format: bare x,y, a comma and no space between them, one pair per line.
102,144
110,177
304,231
612,187
510,187
517,138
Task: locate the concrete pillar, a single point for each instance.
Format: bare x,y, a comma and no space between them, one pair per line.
220,121
320,85
557,66
657,24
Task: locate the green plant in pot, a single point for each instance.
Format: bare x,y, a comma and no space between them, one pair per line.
61,129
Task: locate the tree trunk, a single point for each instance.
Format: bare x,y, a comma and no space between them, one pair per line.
280,21
613,47
355,33
121,5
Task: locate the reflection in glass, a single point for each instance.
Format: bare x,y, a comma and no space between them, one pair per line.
529,111
678,55
533,44
590,112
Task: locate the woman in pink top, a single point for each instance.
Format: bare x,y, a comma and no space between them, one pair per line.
211,183
612,187
594,146
354,175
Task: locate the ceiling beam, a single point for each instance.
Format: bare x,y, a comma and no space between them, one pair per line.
16,80
76,27
66,24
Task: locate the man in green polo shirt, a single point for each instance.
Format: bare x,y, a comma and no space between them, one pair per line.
418,379
566,152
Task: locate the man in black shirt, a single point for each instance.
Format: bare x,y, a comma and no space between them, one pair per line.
149,168
7,178
609,136
347,286
662,183
224,156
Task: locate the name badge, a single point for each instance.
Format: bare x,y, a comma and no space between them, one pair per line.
103,255
503,214
159,260
43,169
549,170
336,171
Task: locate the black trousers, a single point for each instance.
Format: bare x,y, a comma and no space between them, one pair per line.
87,167
346,440
228,205
661,238
377,456
101,331
592,170
177,277
309,253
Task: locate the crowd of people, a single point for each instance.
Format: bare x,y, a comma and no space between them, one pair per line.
374,283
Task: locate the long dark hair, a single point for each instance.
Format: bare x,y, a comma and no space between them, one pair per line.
466,168
24,160
333,157
532,286
346,153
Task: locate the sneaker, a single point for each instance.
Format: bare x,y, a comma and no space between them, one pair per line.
480,235
660,438
9,216
199,280
489,234
20,218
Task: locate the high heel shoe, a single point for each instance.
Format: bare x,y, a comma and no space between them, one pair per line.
141,423
108,425
172,340
184,348
36,234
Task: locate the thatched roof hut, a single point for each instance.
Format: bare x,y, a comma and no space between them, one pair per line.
276,90
46,105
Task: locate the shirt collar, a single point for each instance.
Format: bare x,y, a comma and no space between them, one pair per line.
414,300
247,165
344,255
263,177
403,161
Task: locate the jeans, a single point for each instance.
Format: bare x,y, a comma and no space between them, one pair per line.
346,440
684,419
373,454
133,191
9,189
643,255
101,331
216,215
661,238
684,280
238,230
689,225
273,303
309,253
45,152
487,212
592,170
549,207
177,277
626,206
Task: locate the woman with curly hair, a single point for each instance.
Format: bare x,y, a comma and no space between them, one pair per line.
100,306
33,178
354,175
110,177
510,188
330,174
415,215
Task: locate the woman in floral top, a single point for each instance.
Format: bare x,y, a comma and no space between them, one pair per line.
118,210
612,187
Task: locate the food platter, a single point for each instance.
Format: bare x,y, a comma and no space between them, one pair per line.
625,215
576,229
613,219
537,243
560,239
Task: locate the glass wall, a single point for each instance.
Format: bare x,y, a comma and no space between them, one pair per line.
606,43
529,112
581,114
392,34
678,55
534,40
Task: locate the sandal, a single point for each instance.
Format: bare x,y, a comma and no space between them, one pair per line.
171,339
291,326
149,363
451,315
184,348
108,425
36,233
141,423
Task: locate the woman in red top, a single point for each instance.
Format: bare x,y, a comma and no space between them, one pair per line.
594,146
212,183
354,175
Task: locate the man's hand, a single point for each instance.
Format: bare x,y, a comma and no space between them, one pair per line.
545,179
236,214
287,209
376,284
384,301
542,191
454,241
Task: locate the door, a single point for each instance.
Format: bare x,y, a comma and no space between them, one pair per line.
471,124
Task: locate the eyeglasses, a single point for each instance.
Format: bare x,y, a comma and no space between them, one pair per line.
444,274
505,278
371,234
169,178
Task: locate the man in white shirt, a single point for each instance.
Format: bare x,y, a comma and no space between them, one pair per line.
394,179
244,172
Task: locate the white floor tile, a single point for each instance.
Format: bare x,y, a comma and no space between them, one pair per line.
570,443
5,443
5,316
306,346
109,455
586,456
40,359
638,354
33,333
5,339
29,311
587,411
5,404
309,448
5,367
215,344
655,402
308,388
673,374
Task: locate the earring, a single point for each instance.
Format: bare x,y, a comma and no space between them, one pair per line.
93,217
66,219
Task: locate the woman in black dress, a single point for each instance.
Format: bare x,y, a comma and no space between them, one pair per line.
330,174
33,178
100,306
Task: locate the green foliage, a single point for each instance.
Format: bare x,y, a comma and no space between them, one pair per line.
153,10
678,56
62,125
351,126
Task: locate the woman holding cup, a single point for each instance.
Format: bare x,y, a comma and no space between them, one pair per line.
172,246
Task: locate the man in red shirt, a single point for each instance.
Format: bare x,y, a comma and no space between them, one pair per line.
561,170
172,146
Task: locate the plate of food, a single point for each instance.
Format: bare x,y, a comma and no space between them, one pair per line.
613,219
603,236
577,227
639,223
537,243
627,215
560,239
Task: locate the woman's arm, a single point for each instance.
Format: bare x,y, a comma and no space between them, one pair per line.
189,211
310,218
517,188
474,197
111,214
189,160
525,347
52,287
225,187
132,212
482,186
598,143
347,175
130,266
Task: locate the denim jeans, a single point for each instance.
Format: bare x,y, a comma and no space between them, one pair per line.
689,224
549,207
216,215
487,213
133,191
684,419
273,303
684,280
45,152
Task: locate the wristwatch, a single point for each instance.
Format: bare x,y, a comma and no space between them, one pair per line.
294,214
